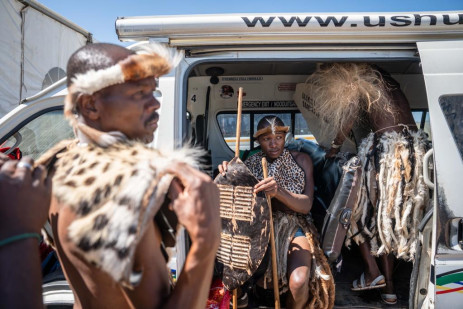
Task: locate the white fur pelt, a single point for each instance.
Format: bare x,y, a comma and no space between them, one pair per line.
360,227
393,193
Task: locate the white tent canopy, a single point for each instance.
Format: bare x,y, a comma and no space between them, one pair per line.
35,44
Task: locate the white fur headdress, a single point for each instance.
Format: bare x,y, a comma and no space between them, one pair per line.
340,91
153,60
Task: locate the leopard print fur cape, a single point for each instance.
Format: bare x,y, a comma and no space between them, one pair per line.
115,188
284,169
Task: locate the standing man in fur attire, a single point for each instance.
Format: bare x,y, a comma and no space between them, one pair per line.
107,187
393,194
291,187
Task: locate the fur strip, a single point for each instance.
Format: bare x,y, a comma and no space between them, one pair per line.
93,81
271,129
87,134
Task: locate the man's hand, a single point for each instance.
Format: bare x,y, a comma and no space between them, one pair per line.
268,185
25,192
223,167
197,206
196,203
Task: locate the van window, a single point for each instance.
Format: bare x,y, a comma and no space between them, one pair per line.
40,134
301,129
452,107
227,124
422,120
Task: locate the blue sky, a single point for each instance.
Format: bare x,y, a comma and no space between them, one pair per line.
98,16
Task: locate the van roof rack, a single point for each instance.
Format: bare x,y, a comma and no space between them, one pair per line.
292,29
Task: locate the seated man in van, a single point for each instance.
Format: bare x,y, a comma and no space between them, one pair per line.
108,186
393,194
290,185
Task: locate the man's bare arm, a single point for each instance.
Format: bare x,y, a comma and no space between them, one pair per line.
197,208
25,200
301,203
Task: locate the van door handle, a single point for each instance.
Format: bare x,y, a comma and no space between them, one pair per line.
426,178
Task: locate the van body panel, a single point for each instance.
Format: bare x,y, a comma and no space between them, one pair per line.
443,74
165,137
24,112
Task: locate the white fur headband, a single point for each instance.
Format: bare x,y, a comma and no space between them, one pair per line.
153,59
273,128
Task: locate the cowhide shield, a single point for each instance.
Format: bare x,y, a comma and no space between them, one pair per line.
245,224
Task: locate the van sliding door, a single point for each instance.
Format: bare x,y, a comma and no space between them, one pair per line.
442,64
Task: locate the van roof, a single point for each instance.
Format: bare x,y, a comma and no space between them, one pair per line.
292,29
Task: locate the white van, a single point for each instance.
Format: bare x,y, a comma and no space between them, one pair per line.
268,55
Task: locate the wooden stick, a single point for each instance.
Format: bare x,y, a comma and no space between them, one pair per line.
235,298
276,290
238,122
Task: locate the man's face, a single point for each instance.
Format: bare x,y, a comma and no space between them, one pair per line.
129,108
272,144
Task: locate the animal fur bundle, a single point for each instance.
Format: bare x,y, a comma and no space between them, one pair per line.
341,91
393,193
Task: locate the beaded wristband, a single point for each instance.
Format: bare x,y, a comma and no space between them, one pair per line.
19,237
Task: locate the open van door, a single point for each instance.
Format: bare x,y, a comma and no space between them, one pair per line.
441,284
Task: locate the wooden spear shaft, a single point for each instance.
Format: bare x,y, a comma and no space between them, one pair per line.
238,122
276,290
237,155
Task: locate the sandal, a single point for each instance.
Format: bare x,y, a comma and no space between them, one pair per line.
389,299
377,283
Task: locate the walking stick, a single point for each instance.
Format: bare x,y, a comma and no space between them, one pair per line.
237,155
276,291
238,122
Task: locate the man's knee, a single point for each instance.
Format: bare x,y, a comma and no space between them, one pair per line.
299,280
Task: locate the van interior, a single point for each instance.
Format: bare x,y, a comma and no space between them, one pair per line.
210,105
268,90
